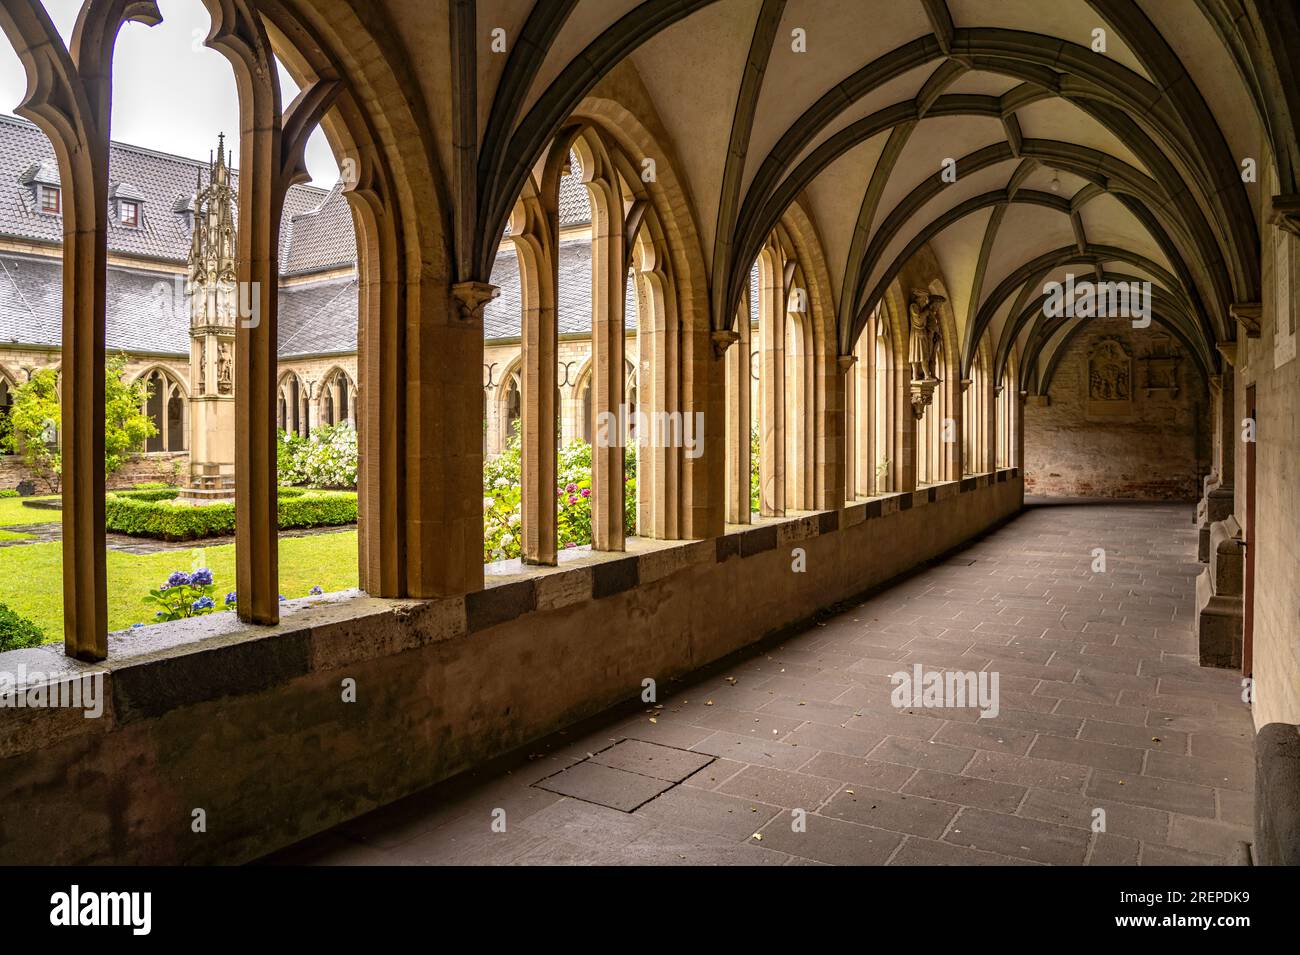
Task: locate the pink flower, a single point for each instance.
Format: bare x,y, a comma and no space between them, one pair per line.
586,492
571,488
573,499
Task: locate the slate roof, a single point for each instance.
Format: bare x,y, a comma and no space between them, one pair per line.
310,239
145,312
501,316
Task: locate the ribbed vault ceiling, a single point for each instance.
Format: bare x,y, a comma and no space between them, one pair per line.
1123,165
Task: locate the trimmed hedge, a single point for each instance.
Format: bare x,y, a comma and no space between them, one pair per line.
18,632
167,520
163,493
8,492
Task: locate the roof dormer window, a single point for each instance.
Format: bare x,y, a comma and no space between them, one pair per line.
126,202
42,178
51,200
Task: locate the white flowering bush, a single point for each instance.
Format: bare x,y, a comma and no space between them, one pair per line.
327,459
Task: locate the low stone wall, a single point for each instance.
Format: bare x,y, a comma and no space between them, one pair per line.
173,467
249,725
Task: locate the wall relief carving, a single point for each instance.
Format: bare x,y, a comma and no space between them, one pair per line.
1110,378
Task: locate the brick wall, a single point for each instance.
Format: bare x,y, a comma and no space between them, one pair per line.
1155,446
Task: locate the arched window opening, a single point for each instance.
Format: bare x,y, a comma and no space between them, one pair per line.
166,409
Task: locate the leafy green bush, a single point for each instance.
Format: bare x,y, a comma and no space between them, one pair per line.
8,492
328,459
502,514
18,632
151,486
167,520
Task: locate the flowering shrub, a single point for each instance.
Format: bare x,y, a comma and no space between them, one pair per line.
502,512
327,459
184,595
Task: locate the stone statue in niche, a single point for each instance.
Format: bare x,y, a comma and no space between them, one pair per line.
203,367
225,370
924,333
1110,376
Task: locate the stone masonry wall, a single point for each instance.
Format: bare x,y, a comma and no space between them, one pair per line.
1269,363
1154,446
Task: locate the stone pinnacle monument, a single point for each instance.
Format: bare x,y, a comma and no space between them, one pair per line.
211,293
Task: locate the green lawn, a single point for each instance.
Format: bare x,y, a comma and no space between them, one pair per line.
31,575
12,535
13,512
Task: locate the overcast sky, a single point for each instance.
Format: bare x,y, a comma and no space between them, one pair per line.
170,92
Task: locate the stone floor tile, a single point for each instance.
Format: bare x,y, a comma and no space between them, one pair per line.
715,812
896,811
1018,837
831,841
652,759
592,782
780,788
1173,797
965,790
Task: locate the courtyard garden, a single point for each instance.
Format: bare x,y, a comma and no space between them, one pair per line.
149,583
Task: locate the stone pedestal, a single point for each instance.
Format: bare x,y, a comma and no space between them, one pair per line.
1214,505
1219,601
922,395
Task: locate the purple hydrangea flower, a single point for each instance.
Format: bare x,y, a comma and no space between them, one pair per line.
178,579
203,603
230,598
316,591
201,578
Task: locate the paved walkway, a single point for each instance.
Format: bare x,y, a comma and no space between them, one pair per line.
1105,723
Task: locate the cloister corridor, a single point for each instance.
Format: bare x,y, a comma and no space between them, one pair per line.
1102,706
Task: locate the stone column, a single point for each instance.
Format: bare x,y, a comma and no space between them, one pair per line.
850,371
771,395
534,232
990,418
1018,432
1217,501
608,294
735,346
952,430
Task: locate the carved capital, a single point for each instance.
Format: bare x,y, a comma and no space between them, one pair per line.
722,340
1286,213
471,297
847,361
1229,352
1248,314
